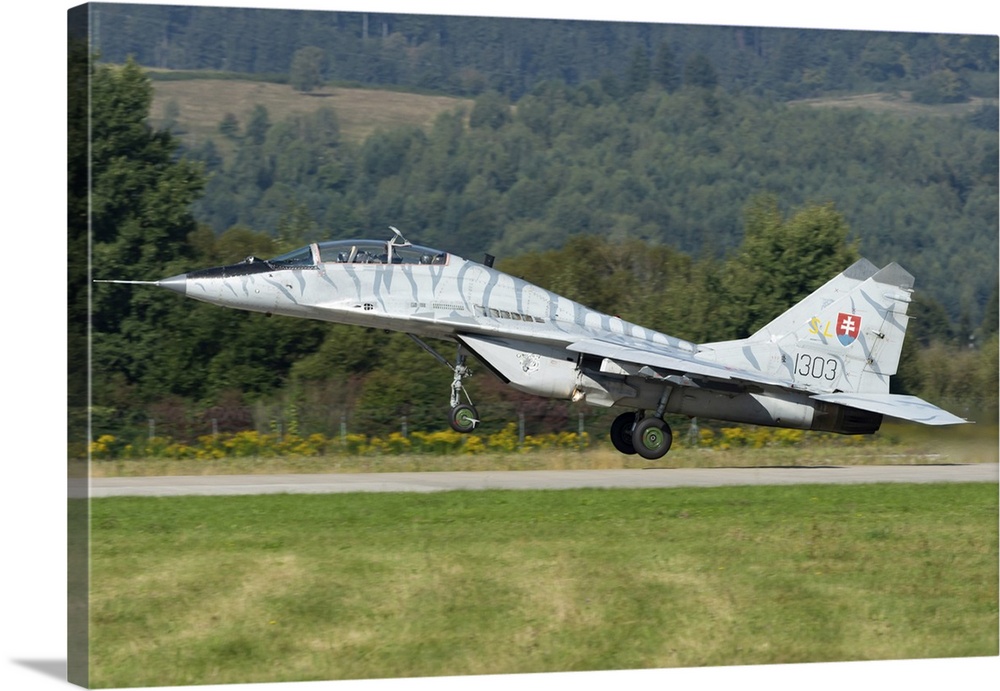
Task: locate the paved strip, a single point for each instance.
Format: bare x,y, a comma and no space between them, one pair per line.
332,483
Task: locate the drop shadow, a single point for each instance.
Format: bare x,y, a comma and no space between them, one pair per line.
50,668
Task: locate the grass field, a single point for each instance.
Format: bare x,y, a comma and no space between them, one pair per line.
280,587
202,104
899,104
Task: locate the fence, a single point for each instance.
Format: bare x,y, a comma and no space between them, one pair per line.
175,427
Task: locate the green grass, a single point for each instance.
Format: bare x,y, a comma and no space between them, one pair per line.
304,587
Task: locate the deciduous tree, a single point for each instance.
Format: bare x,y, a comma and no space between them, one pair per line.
307,69
782,259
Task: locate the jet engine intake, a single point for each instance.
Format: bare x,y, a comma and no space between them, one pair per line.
530,367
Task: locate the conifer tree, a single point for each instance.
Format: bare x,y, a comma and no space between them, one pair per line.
140,217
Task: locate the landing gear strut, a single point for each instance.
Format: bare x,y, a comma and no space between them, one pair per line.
463,416
650,436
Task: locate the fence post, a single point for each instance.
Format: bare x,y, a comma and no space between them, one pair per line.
693,432
580,431
520,430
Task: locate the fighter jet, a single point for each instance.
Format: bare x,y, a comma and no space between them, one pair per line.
822,365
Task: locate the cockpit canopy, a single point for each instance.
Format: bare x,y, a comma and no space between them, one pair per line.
303,256
360,252
377,252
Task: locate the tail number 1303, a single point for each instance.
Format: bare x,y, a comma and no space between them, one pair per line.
817,367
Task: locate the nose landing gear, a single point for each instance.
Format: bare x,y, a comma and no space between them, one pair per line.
463,416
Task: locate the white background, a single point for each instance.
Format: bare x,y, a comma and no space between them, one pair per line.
33,562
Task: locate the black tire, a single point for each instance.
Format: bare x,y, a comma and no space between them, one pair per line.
463,418
652,438
621,433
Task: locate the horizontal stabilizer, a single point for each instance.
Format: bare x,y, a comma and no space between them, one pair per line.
894,405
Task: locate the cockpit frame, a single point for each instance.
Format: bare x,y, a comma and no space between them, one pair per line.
394,251
376,252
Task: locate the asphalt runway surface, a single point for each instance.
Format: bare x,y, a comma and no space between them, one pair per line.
332,483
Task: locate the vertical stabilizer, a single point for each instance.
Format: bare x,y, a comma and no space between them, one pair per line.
803,311
846,336
861,334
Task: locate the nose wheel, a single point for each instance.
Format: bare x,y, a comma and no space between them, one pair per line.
463,418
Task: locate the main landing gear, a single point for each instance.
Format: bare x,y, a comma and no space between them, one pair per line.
463,416
649,436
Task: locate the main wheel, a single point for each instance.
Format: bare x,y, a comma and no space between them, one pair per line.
652,438
463,418
621,433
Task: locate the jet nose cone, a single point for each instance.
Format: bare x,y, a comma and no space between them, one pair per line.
177,283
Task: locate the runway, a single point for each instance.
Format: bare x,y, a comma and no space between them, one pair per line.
333,483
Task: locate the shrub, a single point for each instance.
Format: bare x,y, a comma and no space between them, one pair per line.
251,443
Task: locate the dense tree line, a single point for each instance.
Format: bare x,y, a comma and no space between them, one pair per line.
469,55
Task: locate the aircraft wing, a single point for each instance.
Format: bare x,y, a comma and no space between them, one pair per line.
672,361
894,405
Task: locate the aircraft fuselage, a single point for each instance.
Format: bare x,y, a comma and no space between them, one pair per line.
519,330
